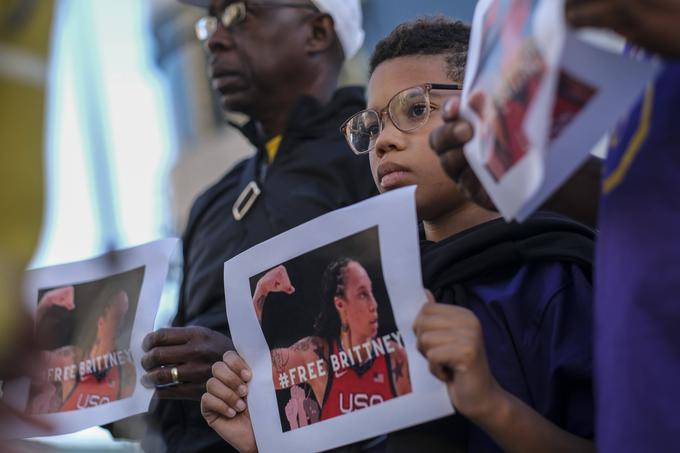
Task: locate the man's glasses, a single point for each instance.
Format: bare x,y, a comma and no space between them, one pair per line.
408,110
236,13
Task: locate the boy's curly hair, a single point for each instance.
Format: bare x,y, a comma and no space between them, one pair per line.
427,36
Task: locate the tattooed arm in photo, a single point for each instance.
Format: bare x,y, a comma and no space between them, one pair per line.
47,395
224,405
274,281
303,355
400,373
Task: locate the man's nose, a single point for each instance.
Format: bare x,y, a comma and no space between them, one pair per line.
221,39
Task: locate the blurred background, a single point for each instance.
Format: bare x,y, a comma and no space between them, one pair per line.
110,101
132,131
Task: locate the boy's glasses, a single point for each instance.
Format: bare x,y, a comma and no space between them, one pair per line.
236,13
408,110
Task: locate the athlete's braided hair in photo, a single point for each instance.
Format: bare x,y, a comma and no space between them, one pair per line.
327,324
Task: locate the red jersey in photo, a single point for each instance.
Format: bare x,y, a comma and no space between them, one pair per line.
353,388
91,392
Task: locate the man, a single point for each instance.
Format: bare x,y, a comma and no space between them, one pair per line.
278,62
637,349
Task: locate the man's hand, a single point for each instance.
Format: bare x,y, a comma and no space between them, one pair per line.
448,141
651,24
193,350
223,405
450,337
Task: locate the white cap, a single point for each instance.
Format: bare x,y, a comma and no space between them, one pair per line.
346,16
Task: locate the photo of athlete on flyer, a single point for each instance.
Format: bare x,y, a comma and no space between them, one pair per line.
347,365
85,345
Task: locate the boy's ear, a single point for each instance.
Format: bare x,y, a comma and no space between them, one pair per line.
322,34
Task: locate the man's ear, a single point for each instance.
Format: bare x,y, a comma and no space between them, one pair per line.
322,34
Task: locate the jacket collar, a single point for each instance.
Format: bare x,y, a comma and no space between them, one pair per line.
495,245
309,118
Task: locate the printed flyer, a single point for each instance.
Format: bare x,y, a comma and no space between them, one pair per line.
540,98
90,318
323,315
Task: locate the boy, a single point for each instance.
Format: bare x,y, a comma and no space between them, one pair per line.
510,335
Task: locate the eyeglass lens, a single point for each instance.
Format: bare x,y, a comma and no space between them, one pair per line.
408,110
232,15
205,27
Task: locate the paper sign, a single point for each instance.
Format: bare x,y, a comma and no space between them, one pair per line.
539,98
90,319
323,315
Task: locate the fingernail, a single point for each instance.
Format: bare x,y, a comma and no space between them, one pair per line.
245,374
231,413
240,406
242,390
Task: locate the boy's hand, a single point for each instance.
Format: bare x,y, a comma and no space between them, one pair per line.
651,24
223,406
450,337
448,141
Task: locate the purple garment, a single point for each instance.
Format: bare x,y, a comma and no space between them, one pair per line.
529,286
537,334
637,324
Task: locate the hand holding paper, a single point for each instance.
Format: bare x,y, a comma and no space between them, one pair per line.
223,405
651,25
450,337
448,141
540,98
192,350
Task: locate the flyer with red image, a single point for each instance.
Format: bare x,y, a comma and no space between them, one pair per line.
540,96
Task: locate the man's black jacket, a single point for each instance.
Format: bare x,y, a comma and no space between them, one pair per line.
314,172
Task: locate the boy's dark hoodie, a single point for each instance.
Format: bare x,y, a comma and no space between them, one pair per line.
530,287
